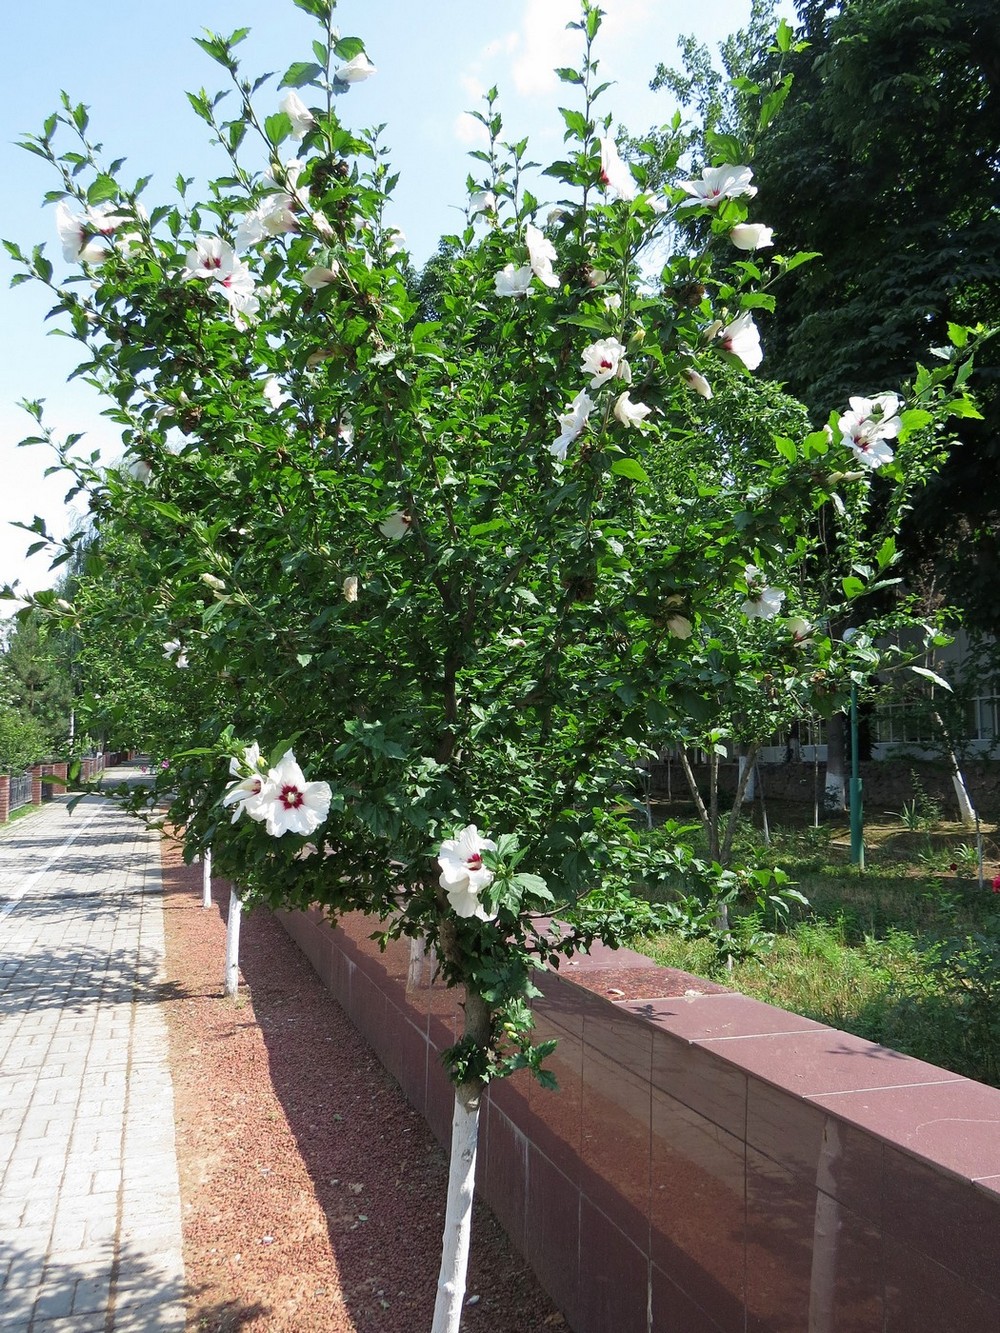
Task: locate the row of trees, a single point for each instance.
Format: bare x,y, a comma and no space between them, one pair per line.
414,575
35,691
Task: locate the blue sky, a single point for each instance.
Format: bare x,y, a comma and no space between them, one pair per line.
433,61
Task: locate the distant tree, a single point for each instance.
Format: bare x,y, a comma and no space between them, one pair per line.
885,160
23,741
35,667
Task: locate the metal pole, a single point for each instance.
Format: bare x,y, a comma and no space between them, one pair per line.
857,822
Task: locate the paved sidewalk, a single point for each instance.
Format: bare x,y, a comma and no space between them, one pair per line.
90,1216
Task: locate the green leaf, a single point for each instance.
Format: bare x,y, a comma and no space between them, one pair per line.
535,885
852,587
628,467
102,189
783,37
931,676
576,122
915,418
725,147
319,9
346,48
277,128
494,524
786,448
299,74
886,552
963,407
803,257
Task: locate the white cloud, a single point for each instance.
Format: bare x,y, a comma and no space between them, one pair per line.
501,46
469,131
544,44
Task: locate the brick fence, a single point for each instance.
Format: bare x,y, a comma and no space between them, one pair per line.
710,1164
49,779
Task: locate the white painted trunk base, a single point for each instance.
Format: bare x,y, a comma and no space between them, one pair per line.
206,878
966,810
233,943
457,1221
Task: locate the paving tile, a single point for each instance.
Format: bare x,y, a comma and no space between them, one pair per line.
84,1076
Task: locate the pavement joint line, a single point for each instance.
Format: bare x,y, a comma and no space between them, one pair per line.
25,887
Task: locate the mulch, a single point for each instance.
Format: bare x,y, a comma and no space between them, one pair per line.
313,1194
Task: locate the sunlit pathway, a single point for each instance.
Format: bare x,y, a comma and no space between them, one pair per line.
90,1220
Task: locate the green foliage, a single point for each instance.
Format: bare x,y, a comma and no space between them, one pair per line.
35,674
907,955
23,741
880,161
418,527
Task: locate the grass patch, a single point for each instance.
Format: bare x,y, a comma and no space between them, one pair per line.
22,812
906,953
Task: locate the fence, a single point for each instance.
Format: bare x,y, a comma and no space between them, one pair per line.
20,791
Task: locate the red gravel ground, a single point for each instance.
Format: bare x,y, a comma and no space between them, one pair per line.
313,1194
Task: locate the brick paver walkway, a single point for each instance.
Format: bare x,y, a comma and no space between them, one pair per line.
90,1220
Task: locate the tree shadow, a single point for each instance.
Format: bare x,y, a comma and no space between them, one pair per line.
104,1291
377,1172
83,977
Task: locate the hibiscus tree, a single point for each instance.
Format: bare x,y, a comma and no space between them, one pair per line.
464,567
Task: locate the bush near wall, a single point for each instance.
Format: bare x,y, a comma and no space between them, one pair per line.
23,741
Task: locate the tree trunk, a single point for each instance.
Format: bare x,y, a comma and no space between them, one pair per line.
746,770
415,966
835,795
206,877
458,1218
233,943
749,787
699,804
461,1180
966,810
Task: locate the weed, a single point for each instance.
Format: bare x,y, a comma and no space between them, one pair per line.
910,816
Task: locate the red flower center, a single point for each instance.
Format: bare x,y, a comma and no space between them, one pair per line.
474,862
606,364
291,798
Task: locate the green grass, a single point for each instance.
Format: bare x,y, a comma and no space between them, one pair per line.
22,812
906,953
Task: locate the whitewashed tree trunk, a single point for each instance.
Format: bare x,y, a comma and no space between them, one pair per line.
966,810
206,878
750,787
415,967
233,943
462,1166
458,1217
835,790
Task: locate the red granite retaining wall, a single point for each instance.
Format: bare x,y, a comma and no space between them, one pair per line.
710,1164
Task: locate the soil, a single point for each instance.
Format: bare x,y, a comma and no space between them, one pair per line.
313,1194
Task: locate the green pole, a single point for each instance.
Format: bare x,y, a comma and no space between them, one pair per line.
857,823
